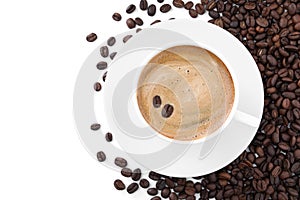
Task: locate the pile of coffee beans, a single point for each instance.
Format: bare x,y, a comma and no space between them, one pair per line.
270,167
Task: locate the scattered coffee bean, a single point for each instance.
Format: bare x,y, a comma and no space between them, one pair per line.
139,21
188,5
120,162
111,41
91,37
155,22
104,52
151,10
112,55
119,185
130,23
178,3
165,8
167,111
138,30
104,76
193,13
154,176
173,196
165,193
101,156
144,183
126,38
130,9
155,198
117,17
108,137
136,174
143,5
126,172
97,86
101,65
200,9
95,127
152,191
160,1
133,187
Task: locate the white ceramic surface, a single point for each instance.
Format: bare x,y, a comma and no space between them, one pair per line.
182,159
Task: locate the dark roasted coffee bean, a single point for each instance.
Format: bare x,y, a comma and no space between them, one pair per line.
120,162
296,168
95,127
101,65
169,183
126,38
126,172
178,3
117,17
108,137
144,183
156,101
113,55
188,5
155,22
190,191
160,1
165,8
101,156
262,22
152,191
154,176
131,8
138,30
160,184
97,86
111,41
156,198
119,185
91,37
130,23
133,187
200,9
139,21
214,14
193,13
104,52
250,6
173,196
104,76
272,60
143,4
136,174
179,188
165,193
167,111
211,5
151,10
276,171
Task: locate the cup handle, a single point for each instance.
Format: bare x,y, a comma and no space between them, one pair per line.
247,119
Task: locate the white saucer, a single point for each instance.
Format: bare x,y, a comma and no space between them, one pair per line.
153,151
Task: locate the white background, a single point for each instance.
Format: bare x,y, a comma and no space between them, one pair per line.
42,47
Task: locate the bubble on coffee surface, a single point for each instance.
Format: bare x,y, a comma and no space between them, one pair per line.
193,85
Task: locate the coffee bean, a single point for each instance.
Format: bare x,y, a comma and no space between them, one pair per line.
151,10
91,37
276,171
97,86
111,41
214,14
143,4
296,168
126,172
155,22
193,13
180,4
160,184
130,9
211,5
262,22
113,55
136,174
144,183
173,196
117,17
108,137
190,191
139,21
179,188
155,198
160,1
133,187
167,111
165,8
156,101
152,191
138,30
293,192
126,38
102,65
250,6
104,52
120,162
165,193
130,23
188,5
119,185
101,156
169,183
95,127
104,76
200,9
